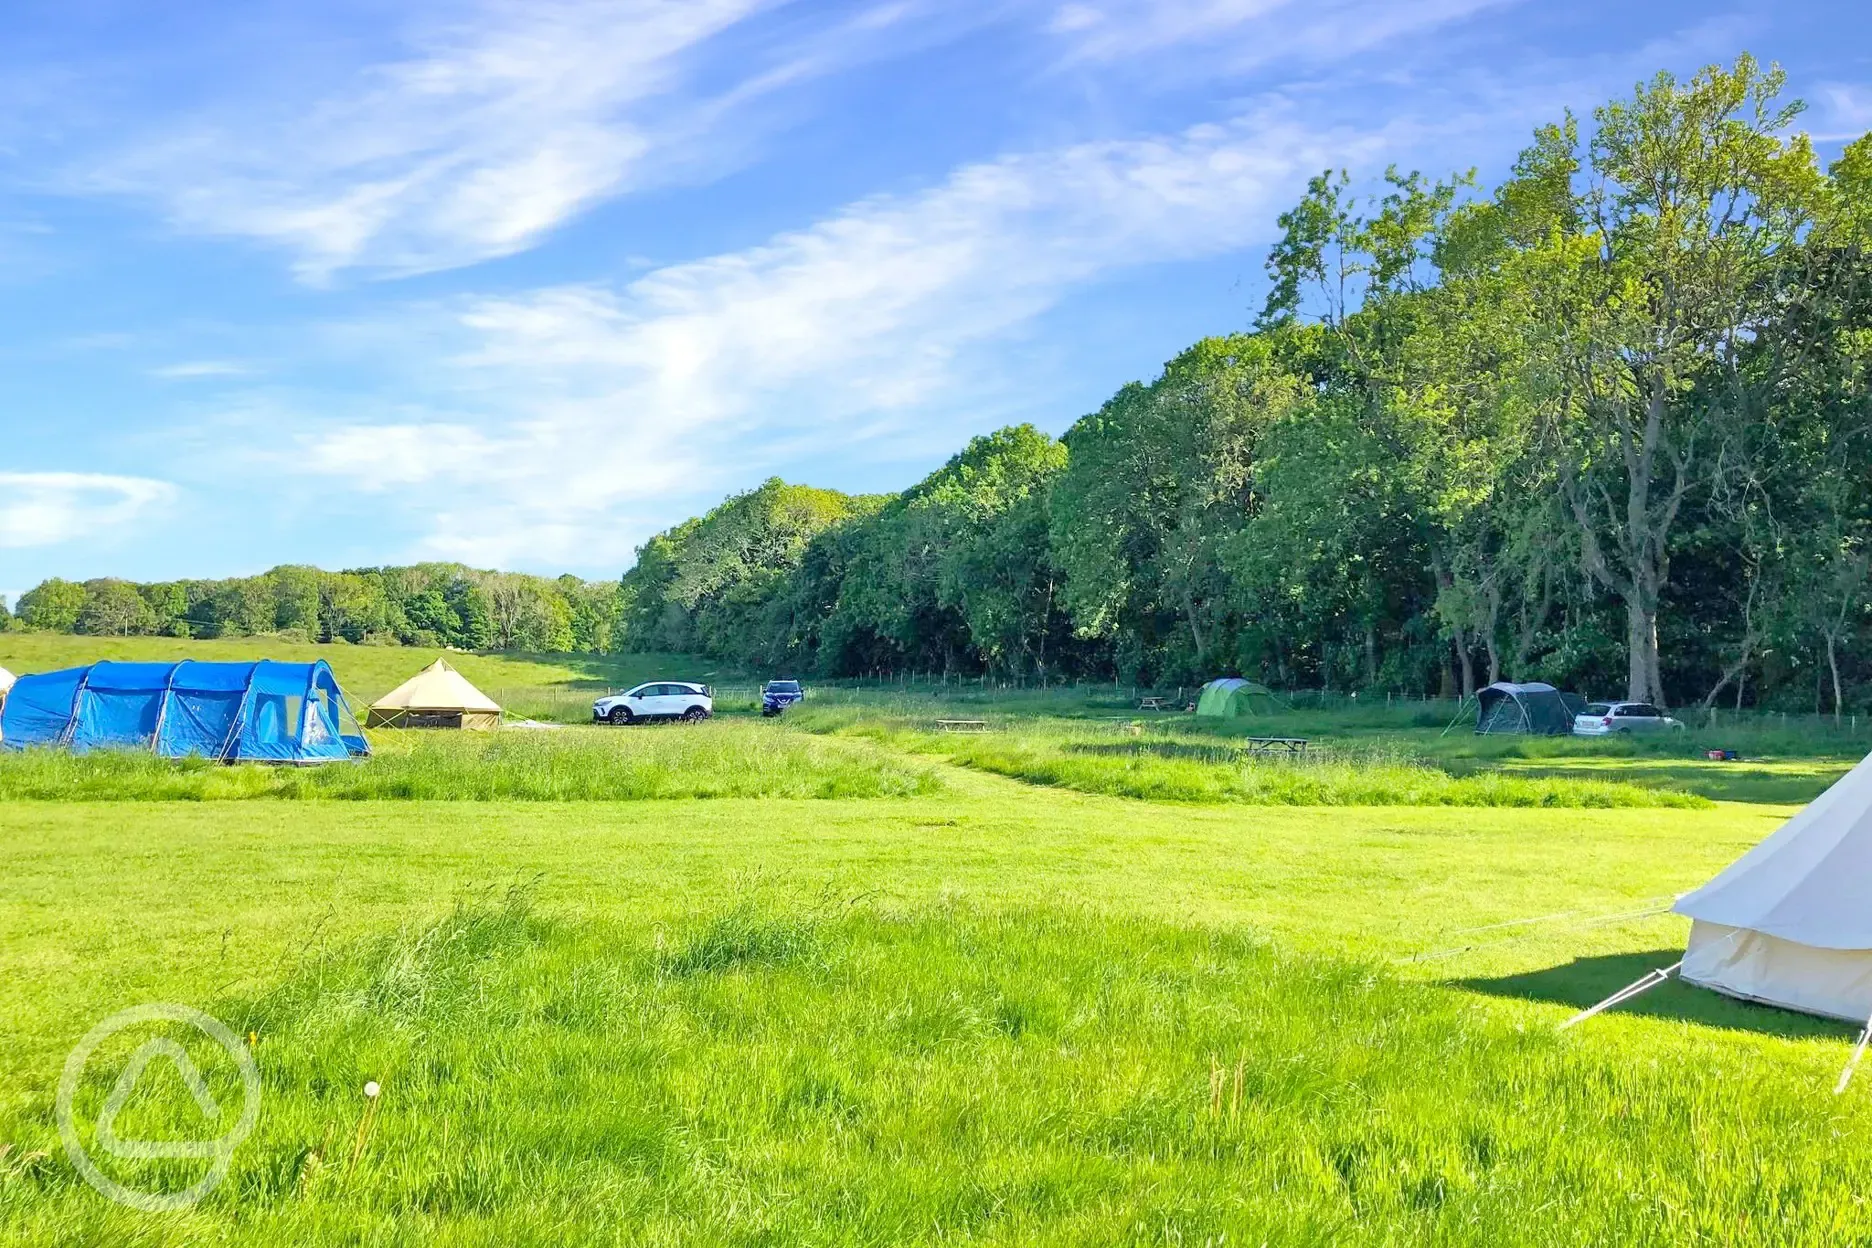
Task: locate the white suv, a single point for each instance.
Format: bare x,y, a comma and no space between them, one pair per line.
666,699
1603,718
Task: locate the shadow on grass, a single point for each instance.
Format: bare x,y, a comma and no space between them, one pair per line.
1588,981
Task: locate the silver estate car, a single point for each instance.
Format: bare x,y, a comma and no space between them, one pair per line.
1599,719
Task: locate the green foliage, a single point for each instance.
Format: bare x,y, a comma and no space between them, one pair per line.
716,583
955,571
53,605
430,605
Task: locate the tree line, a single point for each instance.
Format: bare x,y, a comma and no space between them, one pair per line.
1605,424
430,604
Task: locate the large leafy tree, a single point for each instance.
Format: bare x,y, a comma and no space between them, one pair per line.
52,605
113,608
1158,482
708,584
1682,225
989,510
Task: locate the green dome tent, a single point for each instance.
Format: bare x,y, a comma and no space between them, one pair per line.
1234,698
1532,708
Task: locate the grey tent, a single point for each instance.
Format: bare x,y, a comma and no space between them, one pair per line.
1537,709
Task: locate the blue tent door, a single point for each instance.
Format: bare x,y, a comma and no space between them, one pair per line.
120,703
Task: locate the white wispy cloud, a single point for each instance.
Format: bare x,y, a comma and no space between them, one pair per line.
189,369
498,124
1243,34
1841,111
45,508
595,401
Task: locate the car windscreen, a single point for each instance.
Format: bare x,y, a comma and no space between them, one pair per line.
783,686
1597,709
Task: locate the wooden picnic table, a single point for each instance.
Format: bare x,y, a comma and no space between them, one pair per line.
1276,745
961,725
1153,704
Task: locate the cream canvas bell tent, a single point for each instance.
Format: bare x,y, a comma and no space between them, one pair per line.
1789,923
6,683
436,697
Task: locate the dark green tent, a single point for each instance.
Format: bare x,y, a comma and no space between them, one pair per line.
1534,708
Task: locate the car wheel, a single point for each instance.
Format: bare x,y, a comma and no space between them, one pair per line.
620,715
694,715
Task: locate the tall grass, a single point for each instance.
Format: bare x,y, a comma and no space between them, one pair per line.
1270,780
1159,763
947,1074
712,760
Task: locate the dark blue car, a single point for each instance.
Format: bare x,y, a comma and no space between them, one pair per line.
780,694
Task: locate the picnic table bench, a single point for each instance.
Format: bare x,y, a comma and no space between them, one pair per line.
1153,704
961,725
1276,745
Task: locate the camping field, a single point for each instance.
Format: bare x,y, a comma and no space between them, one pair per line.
554,686
1091,976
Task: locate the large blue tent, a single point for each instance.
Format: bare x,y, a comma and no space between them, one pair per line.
265,711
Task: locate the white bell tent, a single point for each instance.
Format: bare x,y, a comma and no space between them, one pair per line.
1789,923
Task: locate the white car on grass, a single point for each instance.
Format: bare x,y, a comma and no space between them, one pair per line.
1601,719
661,699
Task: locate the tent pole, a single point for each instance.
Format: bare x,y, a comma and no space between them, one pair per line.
162,710
70,732
231,742
1622,995
1852,1063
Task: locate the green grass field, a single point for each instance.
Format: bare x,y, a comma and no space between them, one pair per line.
960,999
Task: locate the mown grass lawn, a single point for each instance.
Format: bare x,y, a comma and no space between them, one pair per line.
994,1013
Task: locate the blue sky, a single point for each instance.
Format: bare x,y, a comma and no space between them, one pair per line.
521,282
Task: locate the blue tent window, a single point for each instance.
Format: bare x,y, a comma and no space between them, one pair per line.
231,711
